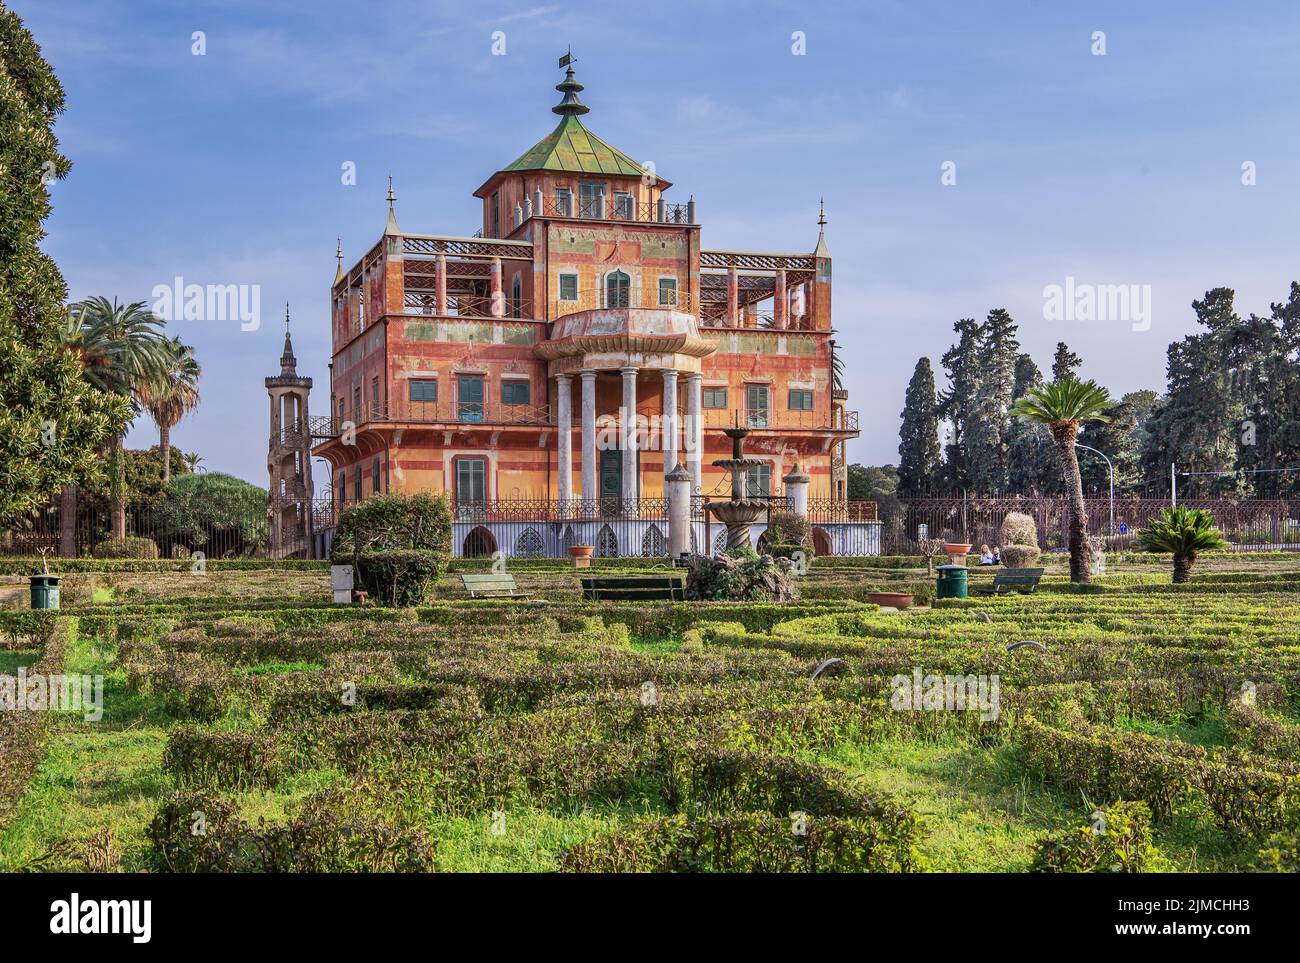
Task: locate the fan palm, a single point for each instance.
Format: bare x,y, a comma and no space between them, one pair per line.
1183,532
1064,406
172,397
122,349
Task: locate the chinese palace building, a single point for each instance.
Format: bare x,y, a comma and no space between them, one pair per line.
547,372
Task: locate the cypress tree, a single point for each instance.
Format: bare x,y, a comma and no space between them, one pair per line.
918,447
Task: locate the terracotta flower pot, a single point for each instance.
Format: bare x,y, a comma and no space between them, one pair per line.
899,600
957,548
581,551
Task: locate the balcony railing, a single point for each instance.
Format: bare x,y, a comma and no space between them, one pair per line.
595,299
435,413
767,418
612,209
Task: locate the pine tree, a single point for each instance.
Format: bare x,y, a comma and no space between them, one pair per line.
52,422
1120,440
1065,362
918,448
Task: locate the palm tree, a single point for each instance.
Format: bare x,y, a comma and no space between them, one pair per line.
172,397
1182,531
1063,406
122,349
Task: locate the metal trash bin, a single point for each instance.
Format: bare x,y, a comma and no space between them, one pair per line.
45,591
952,582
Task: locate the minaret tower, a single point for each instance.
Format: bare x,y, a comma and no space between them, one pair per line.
288,461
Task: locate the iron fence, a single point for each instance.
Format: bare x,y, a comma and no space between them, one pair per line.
1248,525
174,535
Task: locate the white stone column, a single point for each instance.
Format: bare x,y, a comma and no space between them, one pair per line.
796,490
695,430
589,492
668,427
628,433
677,485
564,437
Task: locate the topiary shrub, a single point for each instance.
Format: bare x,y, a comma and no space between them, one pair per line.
787,529
741,575
1020,556
1019,540
397,545
402,577
132,546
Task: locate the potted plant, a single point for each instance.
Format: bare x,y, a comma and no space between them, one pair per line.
581,555
899,600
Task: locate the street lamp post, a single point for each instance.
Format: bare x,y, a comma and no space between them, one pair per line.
1111,469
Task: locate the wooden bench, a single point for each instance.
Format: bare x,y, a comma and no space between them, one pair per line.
1015,580
596,589
494,586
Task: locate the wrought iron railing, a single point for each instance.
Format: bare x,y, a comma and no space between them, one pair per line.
650,296
434,413
778,419
825,510
613,209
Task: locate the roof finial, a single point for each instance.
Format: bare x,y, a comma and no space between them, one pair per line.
391,227
821,250
570,106
338,256
288,363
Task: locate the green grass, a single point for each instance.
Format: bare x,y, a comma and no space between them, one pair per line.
11,660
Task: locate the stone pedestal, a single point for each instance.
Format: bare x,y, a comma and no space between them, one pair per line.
796,490
678,489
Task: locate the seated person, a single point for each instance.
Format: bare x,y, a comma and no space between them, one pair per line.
986,557
997,554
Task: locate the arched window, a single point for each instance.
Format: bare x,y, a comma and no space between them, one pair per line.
618,290
606,543
653,544
529,544
479,543
516,298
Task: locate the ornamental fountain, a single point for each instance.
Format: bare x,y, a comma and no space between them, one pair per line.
741,512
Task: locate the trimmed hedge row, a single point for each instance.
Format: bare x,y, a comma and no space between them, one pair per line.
24,732
744,843
1118,840
1242,792
198,832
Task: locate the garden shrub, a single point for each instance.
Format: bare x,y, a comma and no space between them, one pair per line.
741,843
398,545
741,575
787,529
1019,540
402,577
200,832
132,546
1118,840
1280,854
24,732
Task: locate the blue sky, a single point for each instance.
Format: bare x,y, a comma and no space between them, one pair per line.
1124,168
